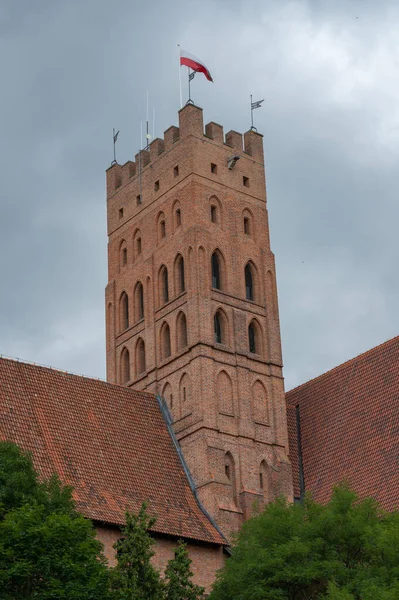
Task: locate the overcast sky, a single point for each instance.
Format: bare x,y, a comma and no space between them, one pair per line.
71,70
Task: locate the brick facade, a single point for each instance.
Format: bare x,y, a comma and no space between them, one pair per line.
207,559
192,312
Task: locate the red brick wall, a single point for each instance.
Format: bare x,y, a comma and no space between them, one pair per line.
223,398
206,559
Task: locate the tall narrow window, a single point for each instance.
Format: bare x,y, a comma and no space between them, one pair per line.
137,247
180,285
139,302
246,226
213,213
218,330
124,256
216,282
163,285
230,472
252,338
161,224
249,284
163,229
124,311
165,341
125,366
140,357
181,330
178,217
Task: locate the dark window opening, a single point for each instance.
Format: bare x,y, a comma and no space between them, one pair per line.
184,394
249,284
176,170
252,338
181,274
124,311
214,168
261,481
216,283
156,185
218,328
227,471
165,335
246,226
178,217
165,285
125,366
124,256
213,213
121,213
140,301
138,199
138,245
245,181
163,229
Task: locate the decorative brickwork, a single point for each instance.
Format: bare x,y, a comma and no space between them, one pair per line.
209,341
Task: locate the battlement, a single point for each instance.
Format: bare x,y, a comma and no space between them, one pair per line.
190,124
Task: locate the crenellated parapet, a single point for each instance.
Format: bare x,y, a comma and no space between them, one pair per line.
190,124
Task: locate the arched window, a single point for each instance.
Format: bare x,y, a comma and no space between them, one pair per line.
161,226
180,284
264,480
230,473
254,338
165,341
139,302
248,223
224,390
140,357
125,366
260,408
122,254
163,285
220,328
215,210
181,330
216,279
249,282
123,311
168,395
185,399
176,215
137,244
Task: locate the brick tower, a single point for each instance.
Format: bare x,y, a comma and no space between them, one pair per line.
191,307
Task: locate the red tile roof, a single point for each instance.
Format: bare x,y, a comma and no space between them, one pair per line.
109,442
350,427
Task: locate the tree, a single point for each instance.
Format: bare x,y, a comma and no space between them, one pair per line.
345,550
178,584
134,577
47,549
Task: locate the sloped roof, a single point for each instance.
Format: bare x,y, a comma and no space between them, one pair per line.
350,427
109,442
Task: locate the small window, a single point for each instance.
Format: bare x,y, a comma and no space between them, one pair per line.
125,366
138,245
163,285
249,283
121,213
165,341
138,199
218,329
124,256
156,185
176,170
213,213
245,181
215,265
227,471
261,481
246,226
178,217
214,168
252,338
162,228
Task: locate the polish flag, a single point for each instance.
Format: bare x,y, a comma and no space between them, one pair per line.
194,63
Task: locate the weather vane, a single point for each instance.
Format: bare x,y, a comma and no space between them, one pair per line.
254,105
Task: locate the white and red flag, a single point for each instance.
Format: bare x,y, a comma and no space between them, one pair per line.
188,60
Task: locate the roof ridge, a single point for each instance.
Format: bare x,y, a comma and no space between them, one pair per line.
29,363
344,364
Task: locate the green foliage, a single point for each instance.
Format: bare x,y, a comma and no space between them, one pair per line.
48,551
134,577
178,584
346,550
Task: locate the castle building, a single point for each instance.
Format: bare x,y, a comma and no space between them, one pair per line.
191,308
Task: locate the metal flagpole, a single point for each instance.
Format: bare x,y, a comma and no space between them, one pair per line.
190,77
181,93
141,142
256,104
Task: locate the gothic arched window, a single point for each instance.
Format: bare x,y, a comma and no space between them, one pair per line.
180,284
163,285
165,341
124,311
216,279
140,357
249,283
139,302
125,366
181,329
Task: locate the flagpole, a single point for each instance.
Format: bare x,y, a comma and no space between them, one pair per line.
181,93
252,115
